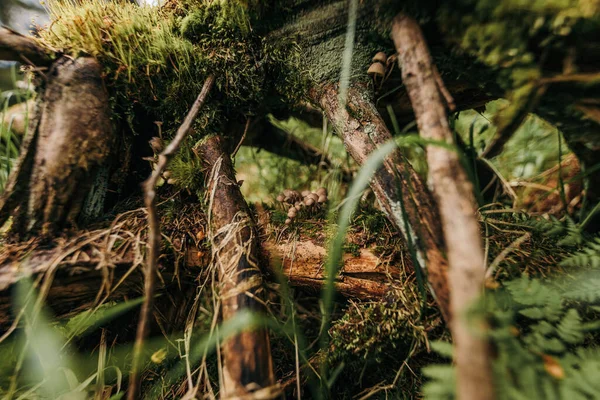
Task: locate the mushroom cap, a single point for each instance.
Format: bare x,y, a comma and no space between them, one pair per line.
376,69
321,191
280,198
167,174
171,181
292,212
288,221
380,57
322,199
309,202
305,193
157,144
313,196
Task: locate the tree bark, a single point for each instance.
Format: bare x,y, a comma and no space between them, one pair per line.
69,139
398,188
16,47
454,195
247,363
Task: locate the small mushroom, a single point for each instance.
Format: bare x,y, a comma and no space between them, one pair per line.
305,193
376,70
167,174
313,196
172,181
309,201
280,198
322,199
157,144
288,221
321,191
292,212
380,57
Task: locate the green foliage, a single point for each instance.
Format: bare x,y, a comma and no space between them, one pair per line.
543,335
567,232
499,32
589,256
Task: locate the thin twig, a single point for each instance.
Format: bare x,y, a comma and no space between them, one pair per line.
154,236
242,139
504,253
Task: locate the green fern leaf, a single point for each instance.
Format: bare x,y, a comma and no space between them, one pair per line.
587,291
570,328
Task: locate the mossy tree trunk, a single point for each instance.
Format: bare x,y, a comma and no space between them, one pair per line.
67,146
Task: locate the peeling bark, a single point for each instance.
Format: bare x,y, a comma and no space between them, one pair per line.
247,362
398,188
68,140
454,196
362,277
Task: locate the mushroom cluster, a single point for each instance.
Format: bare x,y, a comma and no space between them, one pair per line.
381,68
295,202
158,145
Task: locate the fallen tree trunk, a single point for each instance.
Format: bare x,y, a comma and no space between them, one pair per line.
83,277
247,362
453,193
398,188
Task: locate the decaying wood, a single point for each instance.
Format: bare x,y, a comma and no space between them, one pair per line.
68,139
16,47
247,362
398,188
454,195
154,236
363,276
84,277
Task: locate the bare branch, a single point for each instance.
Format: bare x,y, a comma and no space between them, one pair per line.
454,195
154,234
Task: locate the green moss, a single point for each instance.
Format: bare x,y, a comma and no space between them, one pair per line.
370,330
158,60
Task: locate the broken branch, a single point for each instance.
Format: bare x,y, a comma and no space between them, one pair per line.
247,362
16,47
